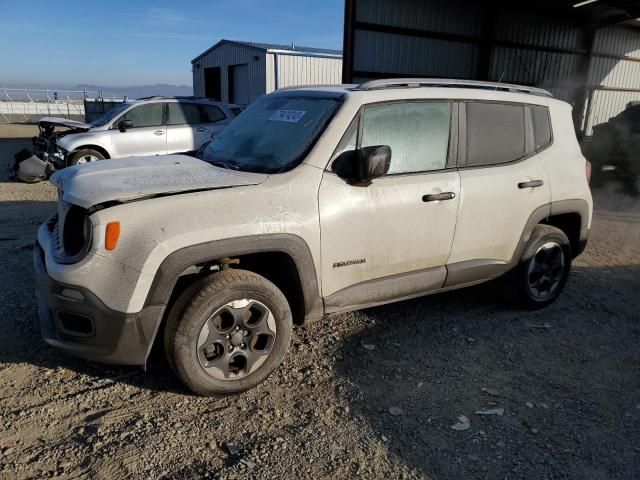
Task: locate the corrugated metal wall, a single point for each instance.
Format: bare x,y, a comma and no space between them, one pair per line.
410,53
461,39
296,70
229,54
615,73
386,52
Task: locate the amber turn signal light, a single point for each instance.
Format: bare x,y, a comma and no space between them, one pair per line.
112,234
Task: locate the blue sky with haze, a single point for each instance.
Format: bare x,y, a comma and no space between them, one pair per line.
121,43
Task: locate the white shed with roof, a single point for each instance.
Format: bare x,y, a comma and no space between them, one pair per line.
239,72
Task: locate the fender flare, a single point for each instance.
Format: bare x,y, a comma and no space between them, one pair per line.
177,262
579,206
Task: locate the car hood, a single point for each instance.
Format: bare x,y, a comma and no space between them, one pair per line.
63,122
126,179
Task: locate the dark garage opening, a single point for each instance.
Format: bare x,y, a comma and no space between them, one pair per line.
213,83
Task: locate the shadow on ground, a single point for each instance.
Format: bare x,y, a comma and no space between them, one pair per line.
567,376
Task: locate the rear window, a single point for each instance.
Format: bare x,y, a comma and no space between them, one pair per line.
183,114
541,126
211,114
495,133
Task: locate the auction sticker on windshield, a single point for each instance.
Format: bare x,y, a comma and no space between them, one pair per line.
291,116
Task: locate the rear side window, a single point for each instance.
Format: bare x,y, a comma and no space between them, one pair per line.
149,115
183,113
495,133
417,132
211,114
541,126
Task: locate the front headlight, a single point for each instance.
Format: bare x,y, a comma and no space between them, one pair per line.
74,235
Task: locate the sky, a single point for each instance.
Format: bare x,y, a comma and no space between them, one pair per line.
123,43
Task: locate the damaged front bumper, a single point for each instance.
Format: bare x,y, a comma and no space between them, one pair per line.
75,320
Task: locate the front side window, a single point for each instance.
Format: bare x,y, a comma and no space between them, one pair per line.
417,132
274,133
541,126
495,133
149,115
182,113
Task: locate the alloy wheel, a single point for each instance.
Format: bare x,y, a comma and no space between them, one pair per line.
236,339
545,272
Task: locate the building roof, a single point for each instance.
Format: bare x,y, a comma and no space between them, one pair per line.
275,48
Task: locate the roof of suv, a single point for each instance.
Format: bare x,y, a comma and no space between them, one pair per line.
179,99
438,88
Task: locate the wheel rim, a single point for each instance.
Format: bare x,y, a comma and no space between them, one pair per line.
545,272
86,159
236,339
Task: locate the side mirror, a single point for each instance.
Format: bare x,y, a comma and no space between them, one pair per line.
124,124
359,167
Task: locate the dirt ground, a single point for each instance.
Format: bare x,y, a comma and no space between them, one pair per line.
567,377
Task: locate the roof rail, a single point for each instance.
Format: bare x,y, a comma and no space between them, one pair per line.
445,82
173,97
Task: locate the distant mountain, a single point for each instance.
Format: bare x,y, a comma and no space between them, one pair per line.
137,91
132,92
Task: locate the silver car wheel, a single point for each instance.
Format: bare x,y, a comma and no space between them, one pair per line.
236,339
545,271
87,159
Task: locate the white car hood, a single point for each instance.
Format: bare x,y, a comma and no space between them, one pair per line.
64,122
125,179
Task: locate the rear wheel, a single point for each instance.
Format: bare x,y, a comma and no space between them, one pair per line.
230,332
86,155
543,270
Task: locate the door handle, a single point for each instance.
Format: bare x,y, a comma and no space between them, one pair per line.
434,197
201,129
159,132
531,184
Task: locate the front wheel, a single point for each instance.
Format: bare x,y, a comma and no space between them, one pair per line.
543,270
86,155
228,332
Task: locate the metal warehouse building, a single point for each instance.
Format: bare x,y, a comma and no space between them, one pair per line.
585,52
239,72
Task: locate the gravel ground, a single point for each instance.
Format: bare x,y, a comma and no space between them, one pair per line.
371,394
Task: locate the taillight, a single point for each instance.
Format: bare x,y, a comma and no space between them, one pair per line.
587,168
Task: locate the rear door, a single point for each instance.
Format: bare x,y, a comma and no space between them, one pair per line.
146,136
392,238
503,182
213,119
185,132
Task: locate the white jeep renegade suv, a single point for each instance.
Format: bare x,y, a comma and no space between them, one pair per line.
312,201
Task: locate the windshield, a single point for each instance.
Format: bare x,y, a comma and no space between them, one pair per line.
109,115
274,133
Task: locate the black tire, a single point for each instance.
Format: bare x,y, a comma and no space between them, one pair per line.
518,281
195,307
76,157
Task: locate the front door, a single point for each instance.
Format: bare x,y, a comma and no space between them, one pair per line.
391,239
145,136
